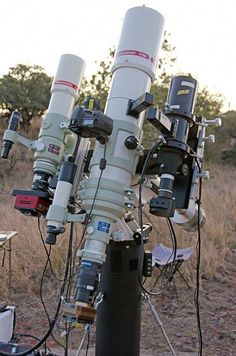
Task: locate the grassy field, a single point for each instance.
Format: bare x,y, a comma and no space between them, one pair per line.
218,234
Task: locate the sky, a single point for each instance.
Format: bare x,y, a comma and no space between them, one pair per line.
203,32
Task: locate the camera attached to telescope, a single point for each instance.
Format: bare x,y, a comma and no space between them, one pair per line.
90,123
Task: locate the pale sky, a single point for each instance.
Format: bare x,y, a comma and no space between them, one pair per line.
203,32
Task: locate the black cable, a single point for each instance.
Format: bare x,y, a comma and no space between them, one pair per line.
174,251
49,260
32,337
48,253
41,294
198,247
46,335
93,202
174,239
52,322
140,215
70,277
41,286
88,343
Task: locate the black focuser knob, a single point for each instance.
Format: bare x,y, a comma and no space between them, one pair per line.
131,142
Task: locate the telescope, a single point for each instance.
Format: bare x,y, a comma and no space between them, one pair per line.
111,257
55,142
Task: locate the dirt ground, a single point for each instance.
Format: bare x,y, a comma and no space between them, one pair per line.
177,313
218,317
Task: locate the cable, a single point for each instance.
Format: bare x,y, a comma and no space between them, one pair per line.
93,202
46,335
174,251
32,337
41,294
140,215
48,253
49,260
52,322
198,247
174,240
88,343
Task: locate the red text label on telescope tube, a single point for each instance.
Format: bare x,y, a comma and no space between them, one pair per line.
66,83
132,52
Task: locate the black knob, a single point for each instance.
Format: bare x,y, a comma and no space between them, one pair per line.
131,142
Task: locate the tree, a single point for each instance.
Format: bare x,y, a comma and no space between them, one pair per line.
26,89
208,105
98,85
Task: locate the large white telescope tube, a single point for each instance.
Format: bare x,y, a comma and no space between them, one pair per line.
132,74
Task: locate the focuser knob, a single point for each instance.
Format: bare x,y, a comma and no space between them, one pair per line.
131,142
204,175
210,139
216,122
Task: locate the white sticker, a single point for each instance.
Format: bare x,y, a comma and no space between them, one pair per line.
175,106
187,84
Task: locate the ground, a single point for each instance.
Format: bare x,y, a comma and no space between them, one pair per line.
218,318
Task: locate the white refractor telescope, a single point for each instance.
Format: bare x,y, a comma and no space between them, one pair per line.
133,72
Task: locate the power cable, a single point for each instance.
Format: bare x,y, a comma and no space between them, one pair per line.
140,214
88,343
94,199
49,260
174,250
198,248
48,253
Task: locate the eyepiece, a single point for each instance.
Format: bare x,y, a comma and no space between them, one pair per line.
12,126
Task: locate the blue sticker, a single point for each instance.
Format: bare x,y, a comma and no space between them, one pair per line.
103,226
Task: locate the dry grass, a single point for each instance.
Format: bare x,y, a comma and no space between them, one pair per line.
28,253
218,234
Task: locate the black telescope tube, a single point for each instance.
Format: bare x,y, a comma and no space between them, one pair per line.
181,100
13,124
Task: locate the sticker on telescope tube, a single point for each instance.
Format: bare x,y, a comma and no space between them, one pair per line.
66,83
103,226
183,92
53,149
132,52
187,84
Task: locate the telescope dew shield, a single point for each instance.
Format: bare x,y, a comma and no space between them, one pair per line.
8,138
55,140
132,74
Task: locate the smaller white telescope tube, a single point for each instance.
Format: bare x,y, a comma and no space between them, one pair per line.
66,84
53,138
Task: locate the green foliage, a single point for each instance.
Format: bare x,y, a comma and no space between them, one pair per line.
208,105
26,89
166,61
98,85
224,150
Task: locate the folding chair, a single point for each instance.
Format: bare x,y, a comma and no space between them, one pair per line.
169,263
